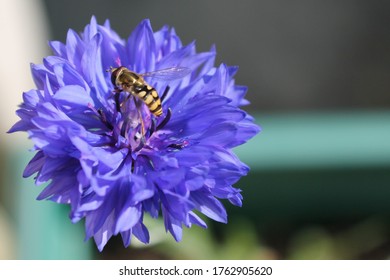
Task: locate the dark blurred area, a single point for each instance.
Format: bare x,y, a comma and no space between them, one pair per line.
293,55
318,74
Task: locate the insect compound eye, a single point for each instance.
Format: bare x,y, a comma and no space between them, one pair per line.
114,74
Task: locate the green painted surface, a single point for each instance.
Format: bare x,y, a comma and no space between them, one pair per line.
316,168
43,228
317,140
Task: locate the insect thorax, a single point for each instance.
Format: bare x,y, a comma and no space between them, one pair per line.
130,79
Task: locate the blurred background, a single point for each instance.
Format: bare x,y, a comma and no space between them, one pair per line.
318,74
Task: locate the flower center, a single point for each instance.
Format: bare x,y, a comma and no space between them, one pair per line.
132,123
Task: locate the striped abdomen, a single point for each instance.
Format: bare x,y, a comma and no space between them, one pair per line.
150,97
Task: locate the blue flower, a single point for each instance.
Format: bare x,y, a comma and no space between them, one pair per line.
104,153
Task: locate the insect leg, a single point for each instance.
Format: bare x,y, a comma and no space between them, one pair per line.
117,92
138,106
165,120
164,94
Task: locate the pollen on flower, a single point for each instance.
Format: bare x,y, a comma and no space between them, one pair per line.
118,61
153,136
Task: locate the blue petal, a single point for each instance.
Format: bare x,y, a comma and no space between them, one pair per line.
228,192
199,105
209,64
141,232
31,98
93,69
142,48
209,206
39,73
112,48
58,48
195,219
140,190
34,165
91,29
172,225
74,48
73,96
126,237
219,135
166,41
246,130
194,183
60,186
152,206
192,155
104,233
66,75
128,218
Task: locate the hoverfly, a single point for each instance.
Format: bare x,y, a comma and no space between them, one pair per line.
133,83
